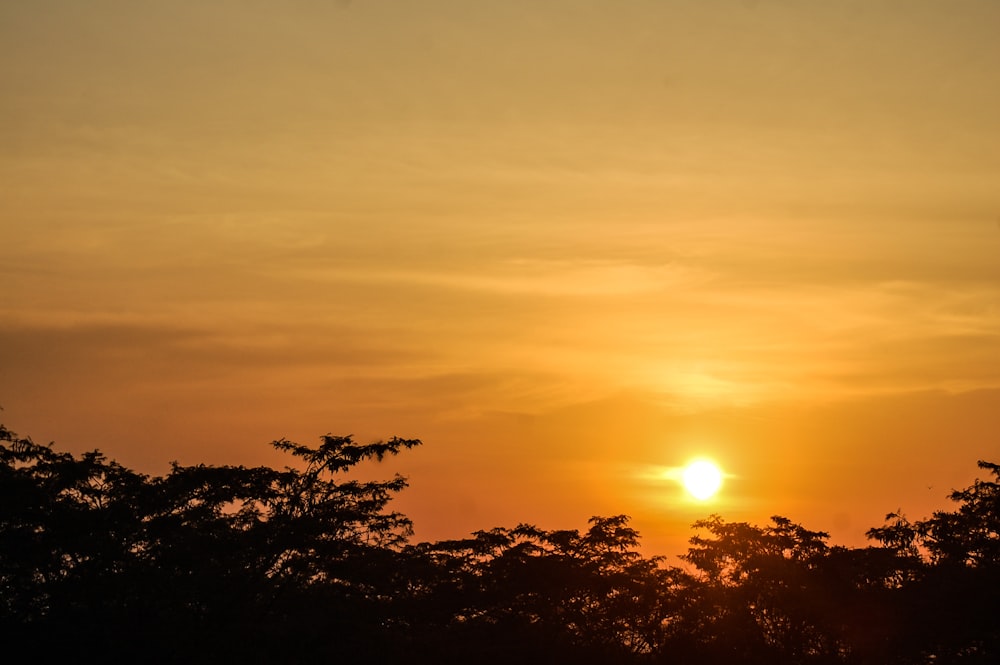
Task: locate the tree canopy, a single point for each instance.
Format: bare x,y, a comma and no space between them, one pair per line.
257,564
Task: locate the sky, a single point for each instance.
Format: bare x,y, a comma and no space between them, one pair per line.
570,245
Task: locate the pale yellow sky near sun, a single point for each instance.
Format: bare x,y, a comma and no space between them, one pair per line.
566,243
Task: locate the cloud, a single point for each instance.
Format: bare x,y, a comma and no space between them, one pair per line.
527,277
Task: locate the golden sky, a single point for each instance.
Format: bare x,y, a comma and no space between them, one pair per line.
569,244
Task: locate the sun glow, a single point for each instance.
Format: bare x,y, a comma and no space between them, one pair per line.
702,479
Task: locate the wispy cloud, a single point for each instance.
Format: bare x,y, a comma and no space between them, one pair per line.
527,277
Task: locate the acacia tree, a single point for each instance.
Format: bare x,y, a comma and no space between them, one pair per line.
948,599
772,594
235,559
534,595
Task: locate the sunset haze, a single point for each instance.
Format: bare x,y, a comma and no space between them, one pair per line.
569,245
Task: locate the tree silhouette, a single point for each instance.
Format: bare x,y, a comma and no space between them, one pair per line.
308,563
590,594
759,594
213,561
949,598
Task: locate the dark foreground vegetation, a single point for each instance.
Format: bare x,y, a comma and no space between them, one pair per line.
259,565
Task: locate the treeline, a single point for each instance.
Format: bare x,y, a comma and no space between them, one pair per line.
261,565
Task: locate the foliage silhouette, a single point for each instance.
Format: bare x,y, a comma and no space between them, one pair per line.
299,564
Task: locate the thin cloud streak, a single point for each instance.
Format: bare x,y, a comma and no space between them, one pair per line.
529,277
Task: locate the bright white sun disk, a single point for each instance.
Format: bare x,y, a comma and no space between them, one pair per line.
702,479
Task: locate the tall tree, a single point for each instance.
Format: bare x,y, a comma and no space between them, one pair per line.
234,559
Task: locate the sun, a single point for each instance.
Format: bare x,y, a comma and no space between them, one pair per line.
702,479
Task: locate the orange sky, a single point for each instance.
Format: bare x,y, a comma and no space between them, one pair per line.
569,244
